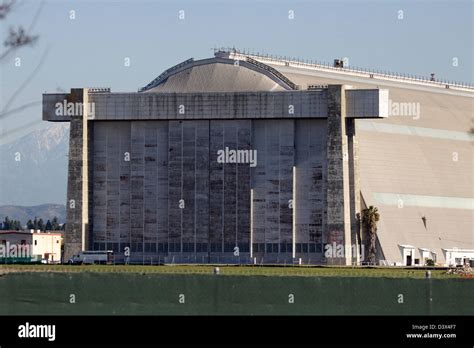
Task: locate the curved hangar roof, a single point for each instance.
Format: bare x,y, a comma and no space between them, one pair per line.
219,74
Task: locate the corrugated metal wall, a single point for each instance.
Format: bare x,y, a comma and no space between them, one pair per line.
159,189
311,176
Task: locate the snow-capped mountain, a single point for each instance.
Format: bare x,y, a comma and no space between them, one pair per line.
33,168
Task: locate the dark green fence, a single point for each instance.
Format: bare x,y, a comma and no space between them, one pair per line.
20,260
93,293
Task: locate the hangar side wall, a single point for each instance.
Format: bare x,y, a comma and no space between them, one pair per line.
415,165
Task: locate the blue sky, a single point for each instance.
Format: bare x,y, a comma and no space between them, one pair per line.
90,50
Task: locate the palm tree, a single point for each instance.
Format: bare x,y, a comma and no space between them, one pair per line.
370,216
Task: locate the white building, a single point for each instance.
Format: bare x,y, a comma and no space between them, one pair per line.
45,245
455,257
452,256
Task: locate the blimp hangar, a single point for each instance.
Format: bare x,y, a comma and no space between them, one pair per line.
219,160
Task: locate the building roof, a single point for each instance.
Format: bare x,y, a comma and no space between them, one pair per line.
220,74
47,233
350,74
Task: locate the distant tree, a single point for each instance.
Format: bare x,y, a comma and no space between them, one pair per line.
16,225
41,224
48,226
63,227
35,224
370,217
7,224
55,224
30,225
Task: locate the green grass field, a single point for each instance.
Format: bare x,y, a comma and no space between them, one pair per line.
236,270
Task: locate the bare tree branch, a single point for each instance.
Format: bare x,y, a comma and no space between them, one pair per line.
28,79
19,108
18,37
5,8
36,17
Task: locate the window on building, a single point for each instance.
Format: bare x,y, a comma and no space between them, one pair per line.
36,242
188,247
269,248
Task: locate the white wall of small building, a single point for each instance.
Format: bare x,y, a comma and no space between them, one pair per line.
455,257
16,238
46,245
443,257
